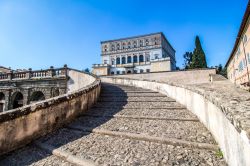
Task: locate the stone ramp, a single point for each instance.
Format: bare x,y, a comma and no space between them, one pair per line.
128,126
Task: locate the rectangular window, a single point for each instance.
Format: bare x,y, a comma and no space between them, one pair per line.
248,57
240,67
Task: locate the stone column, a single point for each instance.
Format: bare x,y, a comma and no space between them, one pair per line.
7,100
26,96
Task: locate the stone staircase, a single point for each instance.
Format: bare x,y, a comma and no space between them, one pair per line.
128,126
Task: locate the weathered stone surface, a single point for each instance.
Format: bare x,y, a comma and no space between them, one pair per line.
107,144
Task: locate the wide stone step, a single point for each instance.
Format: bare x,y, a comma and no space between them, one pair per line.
167,113
105,149
132,95
139,99
152,104
185,130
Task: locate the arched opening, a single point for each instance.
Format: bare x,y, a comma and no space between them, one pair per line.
2,102
17,100
37,96
129,72
118,61
141,58
56,92
113,62
123,60
112,73
135,60
129,59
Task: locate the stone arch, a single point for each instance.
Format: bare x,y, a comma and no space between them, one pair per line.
36,96
141,58
135,60
17,100
118,61
129,59
2,101
129,72
123,60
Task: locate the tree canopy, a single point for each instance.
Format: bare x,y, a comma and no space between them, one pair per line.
199,57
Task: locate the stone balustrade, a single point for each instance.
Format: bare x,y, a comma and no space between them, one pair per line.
36,74
221,107
22,125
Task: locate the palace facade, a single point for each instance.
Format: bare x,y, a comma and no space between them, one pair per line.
238,64
138,54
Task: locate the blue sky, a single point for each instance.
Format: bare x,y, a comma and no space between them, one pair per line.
43,33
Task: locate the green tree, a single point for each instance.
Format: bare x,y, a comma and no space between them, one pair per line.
87,70
198,58
187,60
221,70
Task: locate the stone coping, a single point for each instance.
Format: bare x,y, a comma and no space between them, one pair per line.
233,102
27,109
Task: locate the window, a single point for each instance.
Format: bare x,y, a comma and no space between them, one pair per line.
141,58
135,44
147,42
123,45
113,62
105,61
245,39
135,60
156,56
141,71
118,72
147,58
238,53
112,73
129,45
112,47
135,71
240,67
155,41
118,61
123,60
123,72
118,46
148,70
129,59
141,43
105,48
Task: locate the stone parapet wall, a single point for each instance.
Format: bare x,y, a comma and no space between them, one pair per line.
221,107
187,77
20,126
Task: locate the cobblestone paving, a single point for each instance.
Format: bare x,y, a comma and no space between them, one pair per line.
114,150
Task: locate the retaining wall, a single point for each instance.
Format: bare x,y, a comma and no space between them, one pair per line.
233,141
20,126
186,76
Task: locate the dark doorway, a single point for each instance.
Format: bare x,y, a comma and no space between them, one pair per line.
37,96
2,102
17,100
129,72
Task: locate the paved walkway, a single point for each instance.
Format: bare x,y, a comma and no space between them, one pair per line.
128,126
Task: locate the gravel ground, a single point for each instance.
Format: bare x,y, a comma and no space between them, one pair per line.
185,130
136,99
138,104
167,113
30,155
110,150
